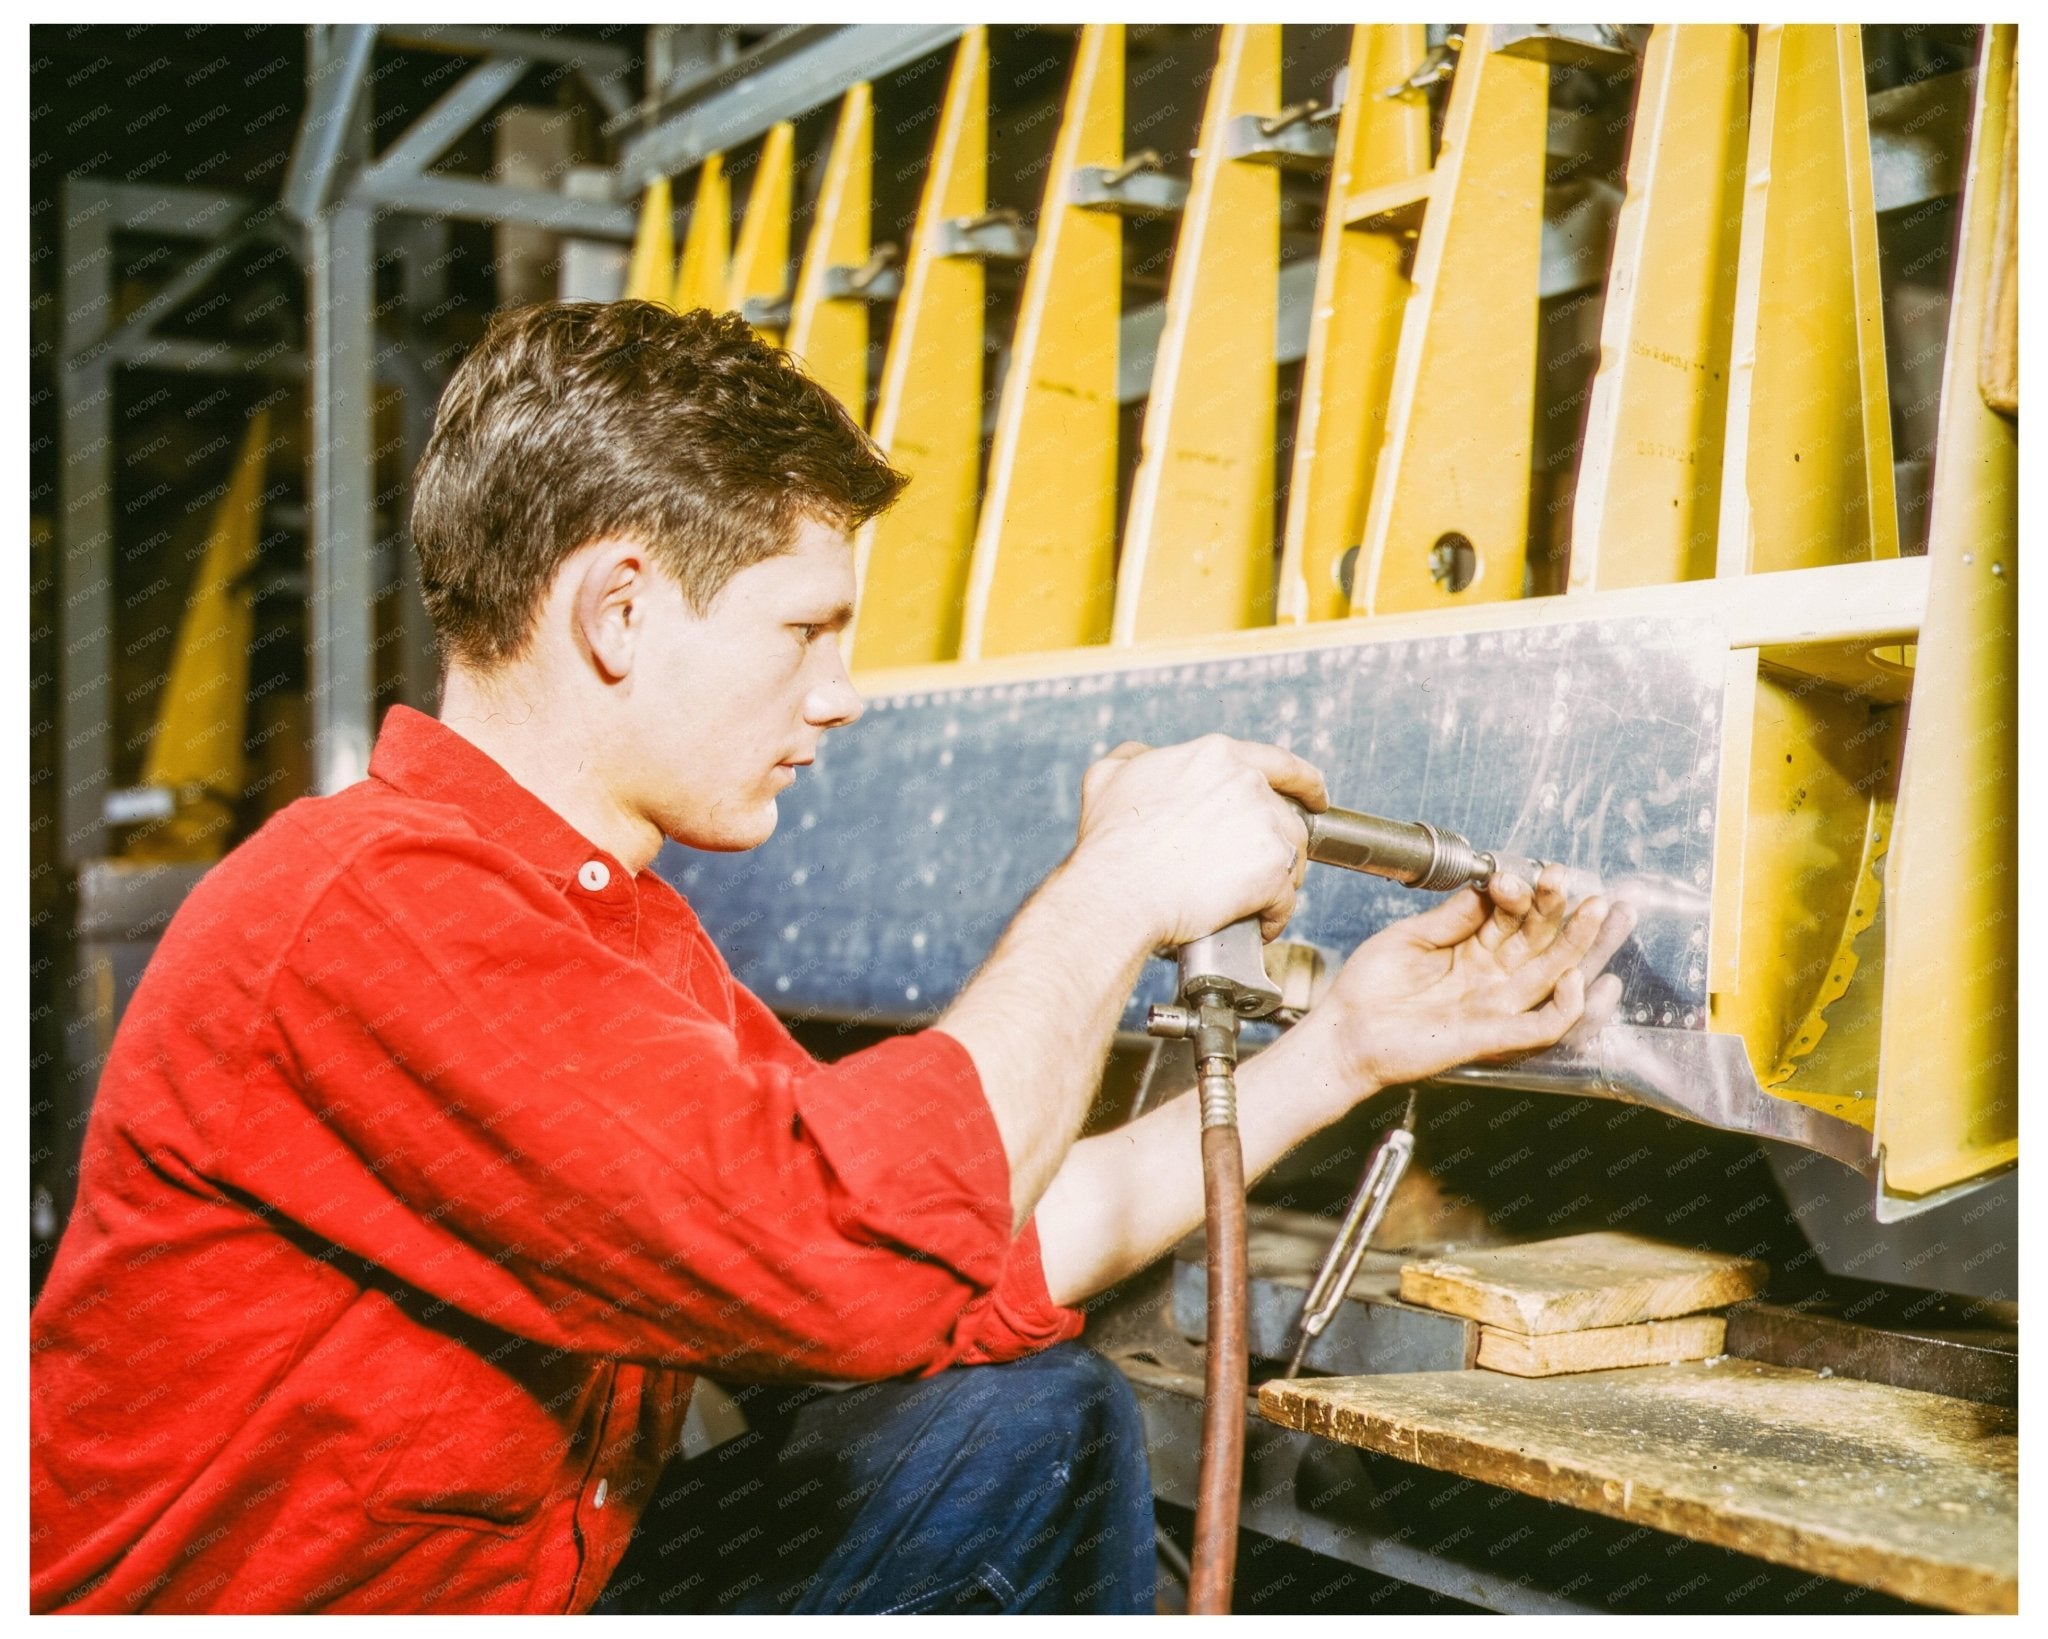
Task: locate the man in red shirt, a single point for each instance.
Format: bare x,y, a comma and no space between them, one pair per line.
438,1150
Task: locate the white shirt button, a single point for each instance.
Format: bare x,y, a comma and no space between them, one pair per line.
597,1497
595,875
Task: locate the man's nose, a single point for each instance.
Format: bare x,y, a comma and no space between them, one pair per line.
835,702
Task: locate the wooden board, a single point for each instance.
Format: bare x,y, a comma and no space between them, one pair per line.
1914,1494
1580,1281
1653,1343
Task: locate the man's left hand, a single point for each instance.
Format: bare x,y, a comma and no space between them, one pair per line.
1479,976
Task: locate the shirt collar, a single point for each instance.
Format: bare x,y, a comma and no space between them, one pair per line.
424,758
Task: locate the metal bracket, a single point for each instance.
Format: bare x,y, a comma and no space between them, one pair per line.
769,312
876,280
1606,46
1135,188
996,236
1434,69
1301,138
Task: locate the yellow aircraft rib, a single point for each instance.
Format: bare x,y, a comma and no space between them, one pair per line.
651,275
1448,519
700,277
1948,1081
1649,483
1198,554
1043,574
912,561
758,285
828,331
1355,326
1807,476
196,751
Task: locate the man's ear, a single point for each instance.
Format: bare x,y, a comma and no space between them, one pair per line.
610,591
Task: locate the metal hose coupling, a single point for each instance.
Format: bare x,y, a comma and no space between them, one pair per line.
1210,1022
1219,1095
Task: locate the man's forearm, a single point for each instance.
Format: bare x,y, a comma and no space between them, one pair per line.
1124,1197
1037,1020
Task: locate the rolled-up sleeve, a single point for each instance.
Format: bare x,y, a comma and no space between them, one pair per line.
519,1122
1017,1316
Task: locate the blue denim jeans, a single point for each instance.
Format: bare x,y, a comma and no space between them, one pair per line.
1019,1487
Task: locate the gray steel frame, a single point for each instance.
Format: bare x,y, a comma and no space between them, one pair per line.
91,348
331,202
338,195
787,75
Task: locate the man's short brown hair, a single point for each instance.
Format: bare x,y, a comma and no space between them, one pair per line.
571,421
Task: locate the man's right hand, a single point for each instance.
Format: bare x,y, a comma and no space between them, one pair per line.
1197,836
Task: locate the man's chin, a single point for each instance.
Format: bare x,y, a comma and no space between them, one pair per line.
731,834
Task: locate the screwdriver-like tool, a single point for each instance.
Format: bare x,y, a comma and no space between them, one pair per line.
1347,1251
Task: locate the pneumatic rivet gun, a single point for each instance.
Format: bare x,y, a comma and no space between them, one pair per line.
1223,981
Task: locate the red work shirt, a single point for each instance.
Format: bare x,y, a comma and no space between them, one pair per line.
435,1153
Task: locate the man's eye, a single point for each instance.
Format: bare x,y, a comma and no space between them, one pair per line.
808,632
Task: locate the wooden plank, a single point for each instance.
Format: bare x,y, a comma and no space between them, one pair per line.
1604,1348
1914,1494
1580,1281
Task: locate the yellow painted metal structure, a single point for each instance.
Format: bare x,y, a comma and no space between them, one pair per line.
1807,474
1806,482
1811,817
651,274
1649,489
1948,1082
828,333
1355,327
707,246
1197,553
196,750
912,561
1450,494
1735,469
760,261
1043,574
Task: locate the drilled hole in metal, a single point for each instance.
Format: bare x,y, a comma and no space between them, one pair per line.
1345,571
1453,562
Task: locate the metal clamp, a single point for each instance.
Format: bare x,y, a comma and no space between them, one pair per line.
877,279
996,236
766,312
1135,188
1434,69
1605,47
1299,138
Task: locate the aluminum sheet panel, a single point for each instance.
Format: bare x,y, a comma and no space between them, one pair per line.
901,855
